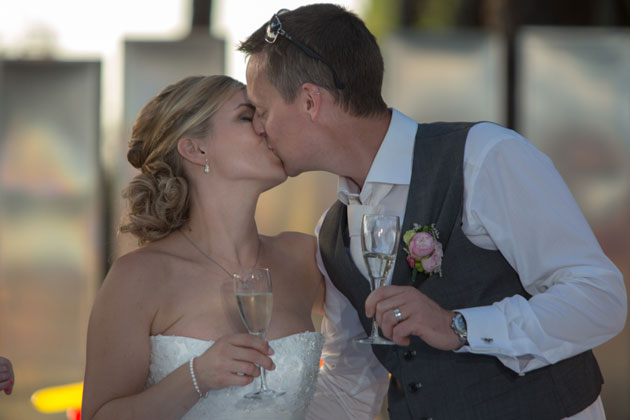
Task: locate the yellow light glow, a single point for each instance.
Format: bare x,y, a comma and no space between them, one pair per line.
58,399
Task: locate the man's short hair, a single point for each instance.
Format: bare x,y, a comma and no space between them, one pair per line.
341,39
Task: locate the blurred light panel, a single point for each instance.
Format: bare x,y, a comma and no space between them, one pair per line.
50,220
445,76
574,105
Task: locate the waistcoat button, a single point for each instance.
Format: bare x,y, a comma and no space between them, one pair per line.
409,354
413,387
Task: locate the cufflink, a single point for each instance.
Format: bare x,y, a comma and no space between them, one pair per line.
487,340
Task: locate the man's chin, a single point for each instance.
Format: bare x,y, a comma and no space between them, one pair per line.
292,172
289,172
275,183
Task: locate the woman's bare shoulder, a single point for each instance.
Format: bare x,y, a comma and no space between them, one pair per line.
138,273
137,265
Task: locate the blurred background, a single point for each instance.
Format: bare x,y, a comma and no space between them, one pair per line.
74,73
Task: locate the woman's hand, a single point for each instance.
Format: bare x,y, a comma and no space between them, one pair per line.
6,376
232,361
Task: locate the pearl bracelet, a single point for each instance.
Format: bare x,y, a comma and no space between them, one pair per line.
194,379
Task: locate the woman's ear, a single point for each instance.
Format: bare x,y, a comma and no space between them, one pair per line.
190,149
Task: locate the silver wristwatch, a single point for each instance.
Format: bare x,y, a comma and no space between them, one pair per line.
458,324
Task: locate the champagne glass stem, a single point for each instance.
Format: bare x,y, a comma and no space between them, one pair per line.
376,283
263,380
263,373
374,335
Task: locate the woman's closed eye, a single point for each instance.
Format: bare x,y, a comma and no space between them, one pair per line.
246,112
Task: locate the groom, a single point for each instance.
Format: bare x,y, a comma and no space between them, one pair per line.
502,326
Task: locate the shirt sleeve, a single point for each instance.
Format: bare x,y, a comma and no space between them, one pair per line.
516,202
351,383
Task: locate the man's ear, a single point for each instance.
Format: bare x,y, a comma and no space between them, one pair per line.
312,99
191,150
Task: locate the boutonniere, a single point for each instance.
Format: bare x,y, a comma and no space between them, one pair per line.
424,251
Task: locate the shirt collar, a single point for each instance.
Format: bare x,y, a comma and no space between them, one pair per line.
393,161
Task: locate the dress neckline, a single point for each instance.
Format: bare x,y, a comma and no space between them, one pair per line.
158,336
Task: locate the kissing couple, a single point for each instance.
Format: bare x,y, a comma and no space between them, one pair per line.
500,324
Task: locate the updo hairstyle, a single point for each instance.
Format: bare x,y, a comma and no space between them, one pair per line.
158,197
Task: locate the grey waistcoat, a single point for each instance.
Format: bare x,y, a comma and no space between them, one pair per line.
432,384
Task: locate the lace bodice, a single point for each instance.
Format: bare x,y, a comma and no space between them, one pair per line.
297,362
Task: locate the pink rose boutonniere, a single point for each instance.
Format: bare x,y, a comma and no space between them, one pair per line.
424,251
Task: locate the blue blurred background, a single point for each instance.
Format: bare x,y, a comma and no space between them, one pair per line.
74,73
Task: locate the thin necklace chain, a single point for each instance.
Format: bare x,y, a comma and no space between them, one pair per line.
215,261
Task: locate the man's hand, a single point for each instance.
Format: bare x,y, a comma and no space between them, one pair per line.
421,317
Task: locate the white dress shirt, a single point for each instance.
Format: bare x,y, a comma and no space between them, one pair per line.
515,202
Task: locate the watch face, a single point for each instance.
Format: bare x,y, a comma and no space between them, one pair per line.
459,327
460,323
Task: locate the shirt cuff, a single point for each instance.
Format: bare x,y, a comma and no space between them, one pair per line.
487,334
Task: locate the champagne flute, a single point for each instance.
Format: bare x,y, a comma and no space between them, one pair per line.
379,242
255,302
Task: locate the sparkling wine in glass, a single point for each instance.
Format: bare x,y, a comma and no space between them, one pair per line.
255,303
379,242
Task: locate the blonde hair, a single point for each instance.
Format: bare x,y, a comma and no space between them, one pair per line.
158,197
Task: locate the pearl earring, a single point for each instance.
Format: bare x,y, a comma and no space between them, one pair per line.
206,169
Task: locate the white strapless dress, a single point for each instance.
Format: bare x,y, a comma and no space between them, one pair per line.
297,363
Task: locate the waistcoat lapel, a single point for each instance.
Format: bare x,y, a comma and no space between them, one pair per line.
425,203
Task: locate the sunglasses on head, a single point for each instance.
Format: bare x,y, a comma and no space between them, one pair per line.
274,29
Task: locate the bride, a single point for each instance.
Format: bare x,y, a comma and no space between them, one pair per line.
172,300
